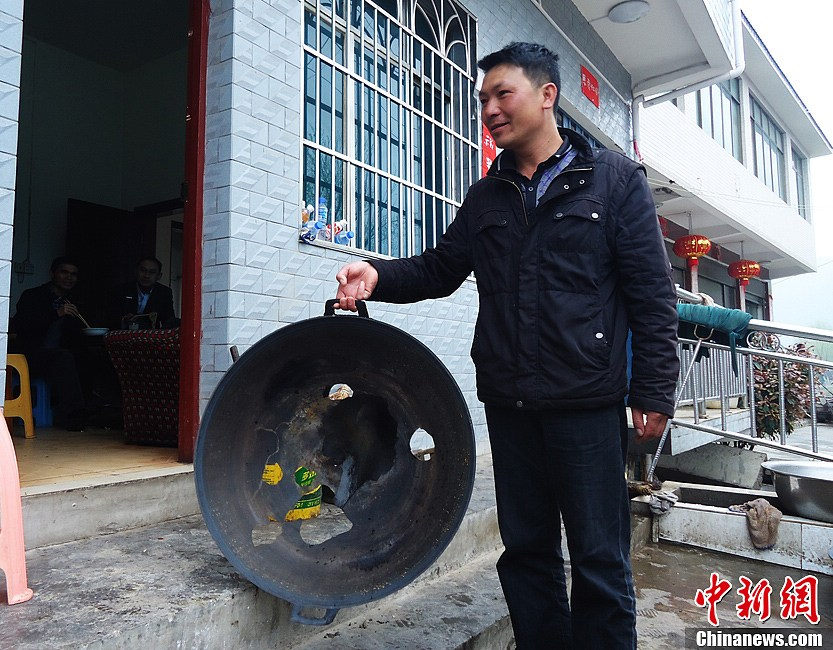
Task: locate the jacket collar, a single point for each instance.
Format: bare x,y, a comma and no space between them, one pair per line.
583,157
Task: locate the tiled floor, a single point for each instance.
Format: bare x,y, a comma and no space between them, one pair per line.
57,456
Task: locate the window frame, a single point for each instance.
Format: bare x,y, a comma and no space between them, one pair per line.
768,149
728,95
799,170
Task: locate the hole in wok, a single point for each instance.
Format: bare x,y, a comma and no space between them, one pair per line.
266,533
358,444
330,522
358,439
422,444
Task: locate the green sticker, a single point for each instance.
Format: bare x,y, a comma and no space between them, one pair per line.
304,477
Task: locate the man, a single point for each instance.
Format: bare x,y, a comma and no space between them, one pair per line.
144,296
565,245
46,323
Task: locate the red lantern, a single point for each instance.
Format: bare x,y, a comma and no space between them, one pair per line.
692,248
743,270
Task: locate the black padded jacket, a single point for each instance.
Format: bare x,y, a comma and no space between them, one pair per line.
559,289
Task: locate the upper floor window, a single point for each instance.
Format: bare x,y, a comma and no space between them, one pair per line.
767,149
718,113
391,132
800,173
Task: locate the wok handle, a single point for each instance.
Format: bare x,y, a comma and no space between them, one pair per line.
330,308
298,617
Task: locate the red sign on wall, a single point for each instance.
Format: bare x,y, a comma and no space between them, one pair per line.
489,151
590,86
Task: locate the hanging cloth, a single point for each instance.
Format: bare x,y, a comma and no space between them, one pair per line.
733,322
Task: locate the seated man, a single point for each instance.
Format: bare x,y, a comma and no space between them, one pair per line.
47,323
144,296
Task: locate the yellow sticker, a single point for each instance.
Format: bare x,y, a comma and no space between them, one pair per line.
272,474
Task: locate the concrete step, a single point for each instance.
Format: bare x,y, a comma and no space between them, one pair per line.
167,586
66,512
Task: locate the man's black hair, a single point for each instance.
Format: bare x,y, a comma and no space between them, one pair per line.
150,258
539,64
63,259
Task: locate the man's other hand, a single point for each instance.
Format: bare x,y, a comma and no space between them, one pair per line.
648,424
67,309
356,281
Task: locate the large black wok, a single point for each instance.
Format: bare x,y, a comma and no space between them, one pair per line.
272,409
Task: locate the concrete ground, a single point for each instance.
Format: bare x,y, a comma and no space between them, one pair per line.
167,586
667,578
802,437
169,583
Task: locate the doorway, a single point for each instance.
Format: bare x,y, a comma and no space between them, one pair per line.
102,162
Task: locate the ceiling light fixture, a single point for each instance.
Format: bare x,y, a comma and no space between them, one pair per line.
629,11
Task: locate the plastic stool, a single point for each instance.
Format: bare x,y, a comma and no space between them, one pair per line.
12,548
42,403
20,406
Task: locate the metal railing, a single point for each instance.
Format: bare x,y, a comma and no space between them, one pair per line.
716,380
713,378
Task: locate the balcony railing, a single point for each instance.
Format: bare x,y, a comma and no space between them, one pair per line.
715,380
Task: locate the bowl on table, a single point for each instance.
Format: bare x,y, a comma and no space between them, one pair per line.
94,331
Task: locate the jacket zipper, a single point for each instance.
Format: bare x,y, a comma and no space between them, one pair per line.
523,203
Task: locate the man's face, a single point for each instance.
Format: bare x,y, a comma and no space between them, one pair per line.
65,276
147,274
512,107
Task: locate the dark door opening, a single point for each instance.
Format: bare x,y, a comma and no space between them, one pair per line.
106,86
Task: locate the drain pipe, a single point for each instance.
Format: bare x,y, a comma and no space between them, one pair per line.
635,102
740,65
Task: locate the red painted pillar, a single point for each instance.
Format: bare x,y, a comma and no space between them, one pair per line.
191,326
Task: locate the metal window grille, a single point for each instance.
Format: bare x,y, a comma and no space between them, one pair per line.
391,135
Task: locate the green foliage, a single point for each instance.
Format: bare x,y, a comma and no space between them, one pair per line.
796,392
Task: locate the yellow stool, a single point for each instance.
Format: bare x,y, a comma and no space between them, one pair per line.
20,406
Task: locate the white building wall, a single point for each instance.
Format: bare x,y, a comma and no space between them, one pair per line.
11,45
676,147
257,277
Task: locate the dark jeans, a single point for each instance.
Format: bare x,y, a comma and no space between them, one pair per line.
59,368
565,464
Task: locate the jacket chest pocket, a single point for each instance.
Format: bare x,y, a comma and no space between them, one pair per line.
577,226
493,251
492,235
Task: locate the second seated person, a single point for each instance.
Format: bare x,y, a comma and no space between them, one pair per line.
144,295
